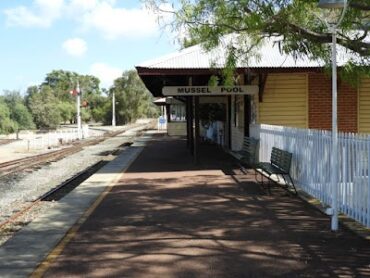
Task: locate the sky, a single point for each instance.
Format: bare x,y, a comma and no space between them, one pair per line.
97,37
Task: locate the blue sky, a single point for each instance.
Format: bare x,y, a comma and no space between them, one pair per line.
98,37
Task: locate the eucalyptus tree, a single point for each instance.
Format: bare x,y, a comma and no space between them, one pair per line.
59,84
133,100
6,124
297,26
43,106
19,113
62,82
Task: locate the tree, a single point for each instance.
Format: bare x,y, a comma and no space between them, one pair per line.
67,111
132,98
294,23
62,82
18,112
99,106
43,106
58,84
6,124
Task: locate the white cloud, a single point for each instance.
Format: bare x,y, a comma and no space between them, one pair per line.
87,5
42,14
107,74
75,47
104,16
113,22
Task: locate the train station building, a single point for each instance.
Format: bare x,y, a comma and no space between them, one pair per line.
270,88
151,212
282,101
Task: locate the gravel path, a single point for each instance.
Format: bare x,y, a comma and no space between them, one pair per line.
17,191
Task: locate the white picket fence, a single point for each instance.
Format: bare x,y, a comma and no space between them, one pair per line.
311,164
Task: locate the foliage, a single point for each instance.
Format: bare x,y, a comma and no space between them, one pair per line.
133,100
67,111
85,115
50,103
57,87
19,115
64,81
295,25
6,124
98,106
211,112
43,108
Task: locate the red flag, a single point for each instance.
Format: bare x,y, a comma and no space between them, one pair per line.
73,92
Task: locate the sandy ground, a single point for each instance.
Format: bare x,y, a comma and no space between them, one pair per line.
20,149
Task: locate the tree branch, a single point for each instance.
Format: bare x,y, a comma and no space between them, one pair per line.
359,6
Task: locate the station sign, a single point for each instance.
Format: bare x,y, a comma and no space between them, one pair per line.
209,90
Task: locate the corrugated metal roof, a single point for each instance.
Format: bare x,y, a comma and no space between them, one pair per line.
268,56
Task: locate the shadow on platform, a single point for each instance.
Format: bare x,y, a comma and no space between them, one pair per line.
167,217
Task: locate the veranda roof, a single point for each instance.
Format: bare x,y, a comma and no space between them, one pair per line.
267,56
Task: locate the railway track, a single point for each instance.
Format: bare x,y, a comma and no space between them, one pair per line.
22,212
64,188
17,165
10,167
55,193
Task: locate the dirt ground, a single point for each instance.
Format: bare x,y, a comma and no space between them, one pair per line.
167,217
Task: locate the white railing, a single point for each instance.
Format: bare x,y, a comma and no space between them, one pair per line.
311,164
51,139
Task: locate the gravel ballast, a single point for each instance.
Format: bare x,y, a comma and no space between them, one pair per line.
19,190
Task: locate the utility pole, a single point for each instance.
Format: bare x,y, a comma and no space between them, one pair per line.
78,106
113,109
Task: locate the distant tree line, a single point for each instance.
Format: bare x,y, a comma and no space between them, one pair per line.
50,104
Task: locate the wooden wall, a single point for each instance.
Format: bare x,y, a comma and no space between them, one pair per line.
285,100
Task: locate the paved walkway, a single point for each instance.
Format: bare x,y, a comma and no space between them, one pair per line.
167,218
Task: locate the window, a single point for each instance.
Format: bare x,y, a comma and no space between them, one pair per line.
178,112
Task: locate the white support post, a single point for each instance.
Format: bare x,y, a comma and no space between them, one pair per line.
113,109
78,107
368,183
334,154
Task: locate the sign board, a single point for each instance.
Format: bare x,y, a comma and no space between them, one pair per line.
162,123
209,90
162,120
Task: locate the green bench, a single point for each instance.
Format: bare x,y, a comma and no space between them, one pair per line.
248,155
279,166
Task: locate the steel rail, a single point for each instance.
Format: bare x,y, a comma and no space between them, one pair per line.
91,170
71,180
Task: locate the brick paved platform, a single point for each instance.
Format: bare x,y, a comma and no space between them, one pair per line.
167,217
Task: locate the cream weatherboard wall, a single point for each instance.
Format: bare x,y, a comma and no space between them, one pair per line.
364,106
285,100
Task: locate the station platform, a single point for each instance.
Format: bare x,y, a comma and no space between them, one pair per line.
153,213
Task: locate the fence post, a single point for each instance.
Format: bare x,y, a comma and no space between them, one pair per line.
368,182
313,148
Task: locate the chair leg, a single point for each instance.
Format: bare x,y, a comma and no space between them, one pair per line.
256,176
263,184
295,190
285,181
269,182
